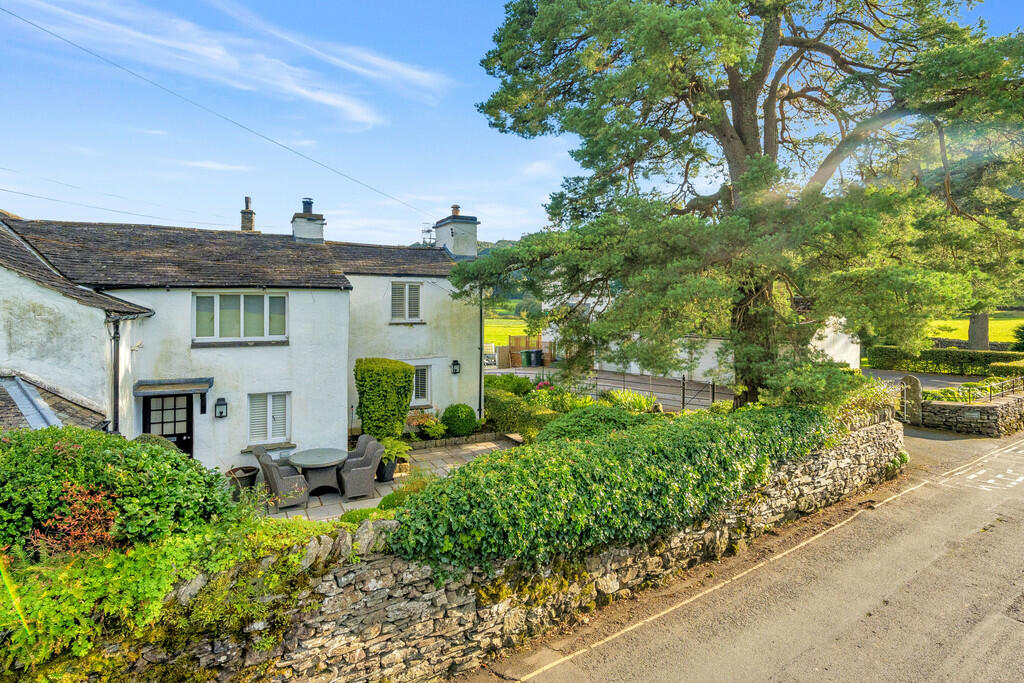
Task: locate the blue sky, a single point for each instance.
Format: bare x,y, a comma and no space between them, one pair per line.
384,91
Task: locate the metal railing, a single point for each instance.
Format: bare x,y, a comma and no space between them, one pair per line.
1014,385
674,393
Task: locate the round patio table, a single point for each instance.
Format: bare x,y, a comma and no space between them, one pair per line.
319,466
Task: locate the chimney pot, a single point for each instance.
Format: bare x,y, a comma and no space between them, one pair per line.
248,216
308,226
455,209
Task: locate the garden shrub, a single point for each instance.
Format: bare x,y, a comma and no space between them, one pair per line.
867,398
460,419
157,440
948,361
514,384
152,490
559,400
423,423
1010,369
823,383
632,401
720,408
592,422
69,603
385,391
568,498
513,415
1018,338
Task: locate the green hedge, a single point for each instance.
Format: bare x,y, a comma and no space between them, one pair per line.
1009,369
511,414
149,489
559,400
459,419
592,422
385,392
946,361
568,498
630,400
514,384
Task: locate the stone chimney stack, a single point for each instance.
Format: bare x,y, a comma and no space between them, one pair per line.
457,234
308,226
248,216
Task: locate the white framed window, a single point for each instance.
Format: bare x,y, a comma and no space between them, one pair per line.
405,301
421,385
269,417
231,316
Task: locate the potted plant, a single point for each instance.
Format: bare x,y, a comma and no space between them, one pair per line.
393,450
243,477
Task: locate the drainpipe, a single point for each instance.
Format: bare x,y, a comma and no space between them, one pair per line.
115,380
115,364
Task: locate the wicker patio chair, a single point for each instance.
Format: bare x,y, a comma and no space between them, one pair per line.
285,483
357,474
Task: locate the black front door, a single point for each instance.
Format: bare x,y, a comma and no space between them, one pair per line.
169,417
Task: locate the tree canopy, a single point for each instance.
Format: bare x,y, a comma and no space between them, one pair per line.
726,146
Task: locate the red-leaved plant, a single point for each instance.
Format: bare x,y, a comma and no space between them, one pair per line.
87,523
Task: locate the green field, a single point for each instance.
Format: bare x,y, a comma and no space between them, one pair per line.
1000,326
497,330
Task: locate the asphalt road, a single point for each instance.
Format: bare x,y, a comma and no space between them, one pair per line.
926,585
928,380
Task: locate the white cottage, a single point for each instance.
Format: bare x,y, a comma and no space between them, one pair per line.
223,340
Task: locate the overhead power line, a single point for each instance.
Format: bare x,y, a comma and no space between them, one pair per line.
100,208
108,194
208,110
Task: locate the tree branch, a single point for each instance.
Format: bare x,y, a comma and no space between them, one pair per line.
849,144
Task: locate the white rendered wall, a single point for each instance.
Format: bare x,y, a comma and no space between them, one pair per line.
450,331
312,367
838,345
52,338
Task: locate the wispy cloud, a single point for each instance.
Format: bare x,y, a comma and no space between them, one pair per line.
424,83
134,33
541,168
215,166
152,131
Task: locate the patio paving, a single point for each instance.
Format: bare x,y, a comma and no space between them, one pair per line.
440,461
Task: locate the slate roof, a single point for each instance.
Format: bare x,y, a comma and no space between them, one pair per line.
376,259
66,411
116,255
10,415
16,256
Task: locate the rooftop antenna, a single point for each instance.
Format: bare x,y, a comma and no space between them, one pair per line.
428,238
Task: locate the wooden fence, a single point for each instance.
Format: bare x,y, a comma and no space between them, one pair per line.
509,356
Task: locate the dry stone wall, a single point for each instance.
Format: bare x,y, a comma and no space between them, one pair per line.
385,618
998,417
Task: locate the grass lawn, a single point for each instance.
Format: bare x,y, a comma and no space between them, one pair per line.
1000,326
497,330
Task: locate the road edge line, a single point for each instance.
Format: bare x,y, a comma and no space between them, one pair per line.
722,584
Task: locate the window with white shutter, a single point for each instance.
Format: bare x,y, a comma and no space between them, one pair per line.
413,302
421,385
405,301
278,416
397,301
268,418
